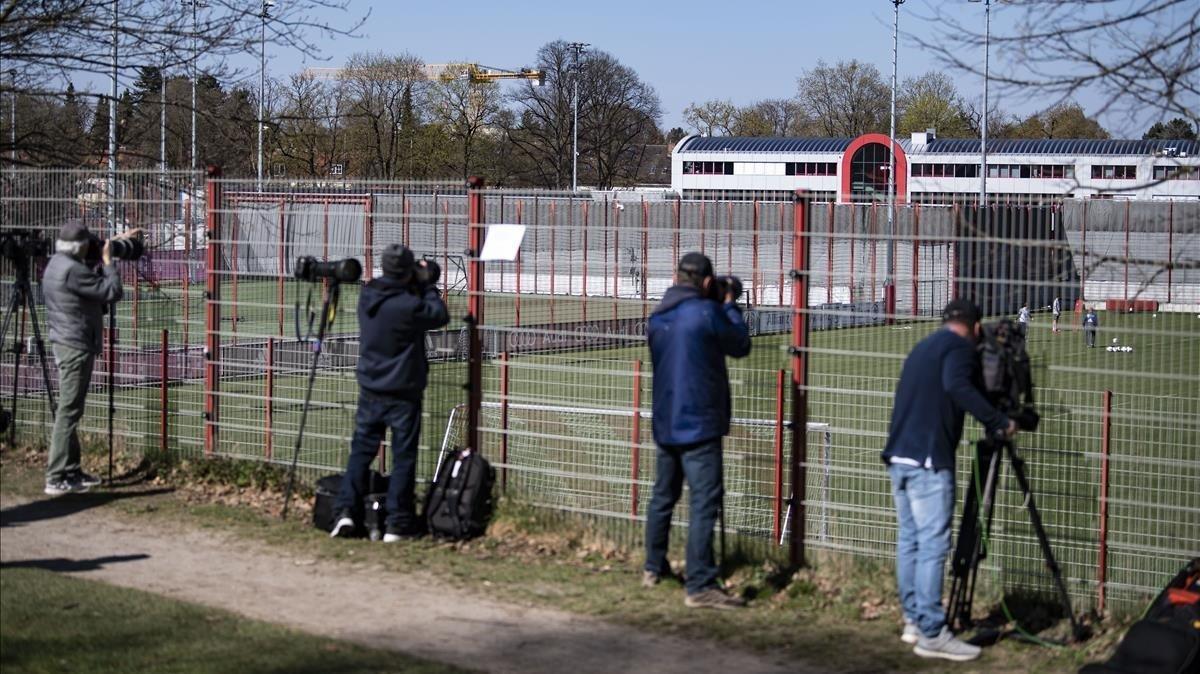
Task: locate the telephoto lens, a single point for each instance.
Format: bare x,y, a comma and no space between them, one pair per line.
427,273
723,285
127,247
311,269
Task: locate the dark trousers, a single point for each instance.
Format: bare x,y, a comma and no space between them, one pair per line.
1089,336
375,415
700,464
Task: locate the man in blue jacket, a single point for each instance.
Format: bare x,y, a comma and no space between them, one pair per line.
394,311
940,381
690,335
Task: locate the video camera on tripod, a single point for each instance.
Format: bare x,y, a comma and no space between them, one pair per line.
19,245
1008,384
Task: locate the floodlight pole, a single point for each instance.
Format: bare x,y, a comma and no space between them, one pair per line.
112,126
987,37
889,279
262,85
162,123
578,48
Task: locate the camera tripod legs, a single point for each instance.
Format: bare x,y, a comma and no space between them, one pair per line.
22,298
976,526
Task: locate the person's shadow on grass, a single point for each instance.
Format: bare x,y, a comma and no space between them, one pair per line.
64,565
67,505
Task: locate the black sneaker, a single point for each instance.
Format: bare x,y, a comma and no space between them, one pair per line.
86,479
64,486
343,525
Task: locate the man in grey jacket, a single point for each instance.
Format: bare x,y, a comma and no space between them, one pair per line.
76,296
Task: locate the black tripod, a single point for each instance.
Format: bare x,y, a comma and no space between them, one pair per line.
328,313
22,298
976,528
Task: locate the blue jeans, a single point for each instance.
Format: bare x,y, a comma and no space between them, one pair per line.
924,509
374,417
700,464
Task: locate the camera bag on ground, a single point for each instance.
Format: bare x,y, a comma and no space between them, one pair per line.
1167,639
327,489
459,504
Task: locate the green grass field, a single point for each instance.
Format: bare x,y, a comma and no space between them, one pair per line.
563,454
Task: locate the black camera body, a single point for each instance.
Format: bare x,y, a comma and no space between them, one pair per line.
1007,375
127,248
723,285
19,245
309,268
427,274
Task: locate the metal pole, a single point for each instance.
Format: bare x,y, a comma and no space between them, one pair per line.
112,126
891,244
987,35
162,124
195,56
12,128
578,48
262,86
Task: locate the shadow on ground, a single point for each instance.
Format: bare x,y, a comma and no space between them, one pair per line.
64,565
65,506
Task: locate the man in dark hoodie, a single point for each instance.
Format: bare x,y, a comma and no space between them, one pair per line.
394,311
939,382
690,334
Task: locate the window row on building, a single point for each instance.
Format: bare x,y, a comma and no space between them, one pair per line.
811,168
1176,173
707,168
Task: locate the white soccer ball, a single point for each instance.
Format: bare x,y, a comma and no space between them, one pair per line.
1114,340
1154,316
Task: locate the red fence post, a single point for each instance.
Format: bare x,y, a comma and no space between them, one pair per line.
1105,446
645,254
801,209
504,421
212,311
517,300
269,404
164,371
829,260
282,261
1083,253
755,275
777,509
187,267
636,433
675,231
475,286
553,273
616,258
233,275
585,258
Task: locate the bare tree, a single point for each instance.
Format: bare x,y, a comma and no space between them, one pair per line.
618,119
309,124
846,99
48,43
932,101
385,92
541,131
712,118
1137,55
466,110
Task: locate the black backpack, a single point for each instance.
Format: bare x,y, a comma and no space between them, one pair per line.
459,504
1167,639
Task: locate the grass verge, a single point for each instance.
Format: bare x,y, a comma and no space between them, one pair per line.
841,611
56,623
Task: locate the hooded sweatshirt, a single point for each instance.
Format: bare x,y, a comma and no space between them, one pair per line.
392,320
689,337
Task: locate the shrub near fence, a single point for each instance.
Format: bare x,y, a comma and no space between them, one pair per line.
561,377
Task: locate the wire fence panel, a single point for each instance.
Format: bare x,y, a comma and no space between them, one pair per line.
565,382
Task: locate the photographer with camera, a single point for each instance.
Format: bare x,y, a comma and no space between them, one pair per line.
939,382
394,311
693,329
76,298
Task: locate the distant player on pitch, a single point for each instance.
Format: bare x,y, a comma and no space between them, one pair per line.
1023,319
1056,309
1091,325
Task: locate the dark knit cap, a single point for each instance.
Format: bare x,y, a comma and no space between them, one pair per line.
696,264
963,310
397,260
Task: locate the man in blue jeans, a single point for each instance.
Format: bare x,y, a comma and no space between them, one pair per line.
394,311
690,334
940,381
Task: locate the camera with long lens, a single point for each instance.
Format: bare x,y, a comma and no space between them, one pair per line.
1007,376
426,274
127,247
724,285
309,268
19,245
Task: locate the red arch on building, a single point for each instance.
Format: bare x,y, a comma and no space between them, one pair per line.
901,165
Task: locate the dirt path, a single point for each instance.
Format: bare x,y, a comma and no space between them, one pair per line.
412,613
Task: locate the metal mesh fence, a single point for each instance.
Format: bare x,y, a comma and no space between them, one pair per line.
565,376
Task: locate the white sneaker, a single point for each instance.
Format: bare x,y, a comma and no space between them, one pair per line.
343,527
911,634
946,646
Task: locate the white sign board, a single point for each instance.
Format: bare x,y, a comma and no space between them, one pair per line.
503,242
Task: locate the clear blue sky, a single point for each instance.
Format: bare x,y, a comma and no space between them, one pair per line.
689,51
